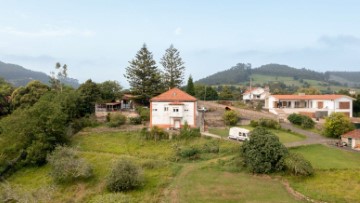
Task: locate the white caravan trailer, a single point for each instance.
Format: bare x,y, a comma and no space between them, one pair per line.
240,134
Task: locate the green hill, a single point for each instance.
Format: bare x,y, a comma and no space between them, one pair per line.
19,76
241,74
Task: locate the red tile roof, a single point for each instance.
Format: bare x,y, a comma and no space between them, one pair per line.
250,90
174,95
352,134
304,97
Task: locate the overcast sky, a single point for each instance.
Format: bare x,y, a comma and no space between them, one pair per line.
98,38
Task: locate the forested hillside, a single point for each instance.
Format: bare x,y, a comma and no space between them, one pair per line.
287,71
236,74
241,74
19,76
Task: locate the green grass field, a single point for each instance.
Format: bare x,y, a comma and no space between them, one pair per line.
337,175
214,177
284,136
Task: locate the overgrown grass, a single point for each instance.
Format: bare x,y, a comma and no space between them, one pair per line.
324,157
284,136
336,177
207,184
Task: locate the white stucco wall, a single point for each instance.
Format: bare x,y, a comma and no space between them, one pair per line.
161,117
328,105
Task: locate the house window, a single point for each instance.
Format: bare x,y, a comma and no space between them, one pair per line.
344,105
166,108
175,110
186,109
154,109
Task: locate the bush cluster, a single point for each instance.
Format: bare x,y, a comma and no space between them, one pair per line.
230,117
155,133
263,153
116,120
211,147
190,153
337,124
67,166
186,132
125,175
135,120
144,113
301,120
266,123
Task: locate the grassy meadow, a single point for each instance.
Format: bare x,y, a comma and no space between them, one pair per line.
213,177
284,136
336,176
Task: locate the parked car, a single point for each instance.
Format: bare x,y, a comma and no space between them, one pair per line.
240,134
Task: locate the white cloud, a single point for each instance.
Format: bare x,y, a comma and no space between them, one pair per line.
178,31
48,32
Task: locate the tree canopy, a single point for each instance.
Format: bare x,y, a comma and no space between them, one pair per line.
173,67
337,124
143,75
263,153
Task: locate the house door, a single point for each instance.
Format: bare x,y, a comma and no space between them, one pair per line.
176,124
350,142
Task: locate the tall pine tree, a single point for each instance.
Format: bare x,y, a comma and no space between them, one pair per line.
143,75
173,67
190,88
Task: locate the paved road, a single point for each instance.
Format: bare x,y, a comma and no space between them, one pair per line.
311,137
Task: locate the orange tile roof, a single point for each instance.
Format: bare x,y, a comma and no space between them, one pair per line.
250,90
319,97
174,95
352,134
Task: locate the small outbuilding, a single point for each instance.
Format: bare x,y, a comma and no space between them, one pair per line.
352,139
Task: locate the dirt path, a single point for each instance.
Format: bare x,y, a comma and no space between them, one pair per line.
171,194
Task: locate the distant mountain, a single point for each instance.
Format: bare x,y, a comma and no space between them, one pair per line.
19,76
241,73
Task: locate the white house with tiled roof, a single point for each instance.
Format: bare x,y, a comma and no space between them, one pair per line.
311,105
257,93
172,109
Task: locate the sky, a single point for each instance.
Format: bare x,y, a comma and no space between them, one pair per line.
98,38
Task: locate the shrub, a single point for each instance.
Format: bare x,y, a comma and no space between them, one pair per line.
135,120
125,175
116,120
295,118
296,164
269,123
144,113
302,120
189,152
155,133
83,122
307,122
263,153
337,124
186,132
67,166
211,147
230,117
254,123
